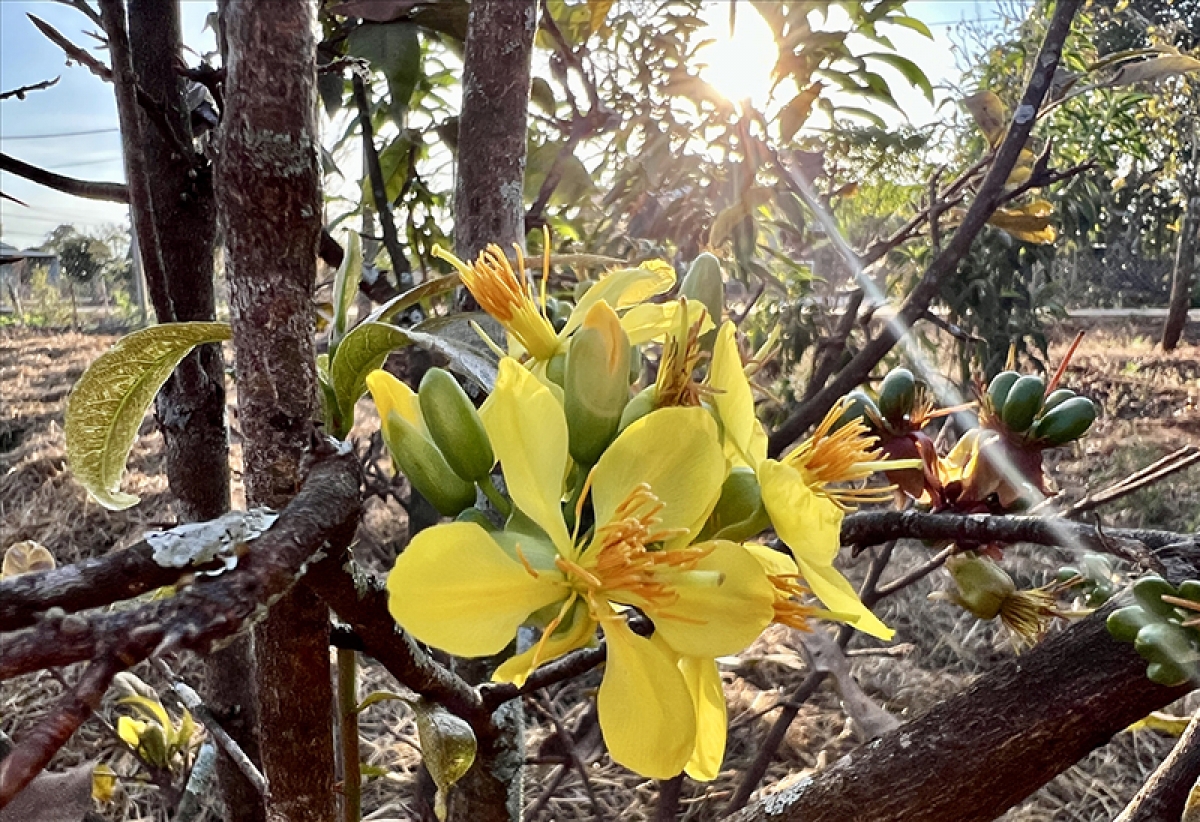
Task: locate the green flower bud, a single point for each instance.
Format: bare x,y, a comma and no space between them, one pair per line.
638,407
426,467
983,586
739,514
596,386
704,282
454,425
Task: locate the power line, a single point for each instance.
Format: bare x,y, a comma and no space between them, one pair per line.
47,136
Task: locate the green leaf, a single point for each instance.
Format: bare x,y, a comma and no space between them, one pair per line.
455,338
1156,68
395,165
345,288
362,351
869,116
912,73
542,95
108,403
909,23
376,697
796,112
413,296
394,49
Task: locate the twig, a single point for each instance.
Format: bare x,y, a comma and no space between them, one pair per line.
347,697
754,774
990,195
1176,461
20,93
375,172
108,192
921,571
669,791
831,348
153,108
85,9
36,748
189,699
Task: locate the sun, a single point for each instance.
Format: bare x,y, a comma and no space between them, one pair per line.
738,63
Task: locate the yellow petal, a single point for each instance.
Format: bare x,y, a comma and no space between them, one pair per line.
723,611
390,394
578,630
646,714
455,588
622,289
835,592
708,697
734,400
130,730
673,450
528,431
810,524
773,562
652,321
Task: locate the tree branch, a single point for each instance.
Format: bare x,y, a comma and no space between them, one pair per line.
873,527
37,747
990,194
984,750
108,192
211,609
1165,794
383,208
20,93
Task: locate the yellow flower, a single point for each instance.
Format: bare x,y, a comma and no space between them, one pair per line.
509,297
797,491
467,591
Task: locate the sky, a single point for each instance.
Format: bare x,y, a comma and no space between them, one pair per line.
72,127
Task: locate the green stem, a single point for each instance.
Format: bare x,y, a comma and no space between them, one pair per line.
498,500
347,668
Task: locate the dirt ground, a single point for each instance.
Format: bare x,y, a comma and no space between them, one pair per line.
1149,401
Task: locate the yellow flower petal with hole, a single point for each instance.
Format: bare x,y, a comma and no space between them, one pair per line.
836,593
712,723
646,713
577,632
724,610
390,394
455,588
809,523
734,399
623,288
528,431
651,321
673,450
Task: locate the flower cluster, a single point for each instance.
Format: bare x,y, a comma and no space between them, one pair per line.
618,502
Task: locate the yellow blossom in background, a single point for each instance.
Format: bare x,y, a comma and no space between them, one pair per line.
651,491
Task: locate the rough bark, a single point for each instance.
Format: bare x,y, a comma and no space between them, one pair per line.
174,212
975,755
1183,274
488,202
269,190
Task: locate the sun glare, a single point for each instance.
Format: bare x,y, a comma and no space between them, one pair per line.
738,63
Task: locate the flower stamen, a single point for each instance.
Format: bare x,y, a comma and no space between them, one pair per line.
842,455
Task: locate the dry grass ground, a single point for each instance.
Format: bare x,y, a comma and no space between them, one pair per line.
1149,401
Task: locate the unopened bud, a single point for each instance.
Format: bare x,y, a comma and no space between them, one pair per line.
454,425
739,514
596,385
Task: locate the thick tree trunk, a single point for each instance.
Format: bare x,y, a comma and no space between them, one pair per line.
975,755
488,202
1183,274
269,190
191,406
489,207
